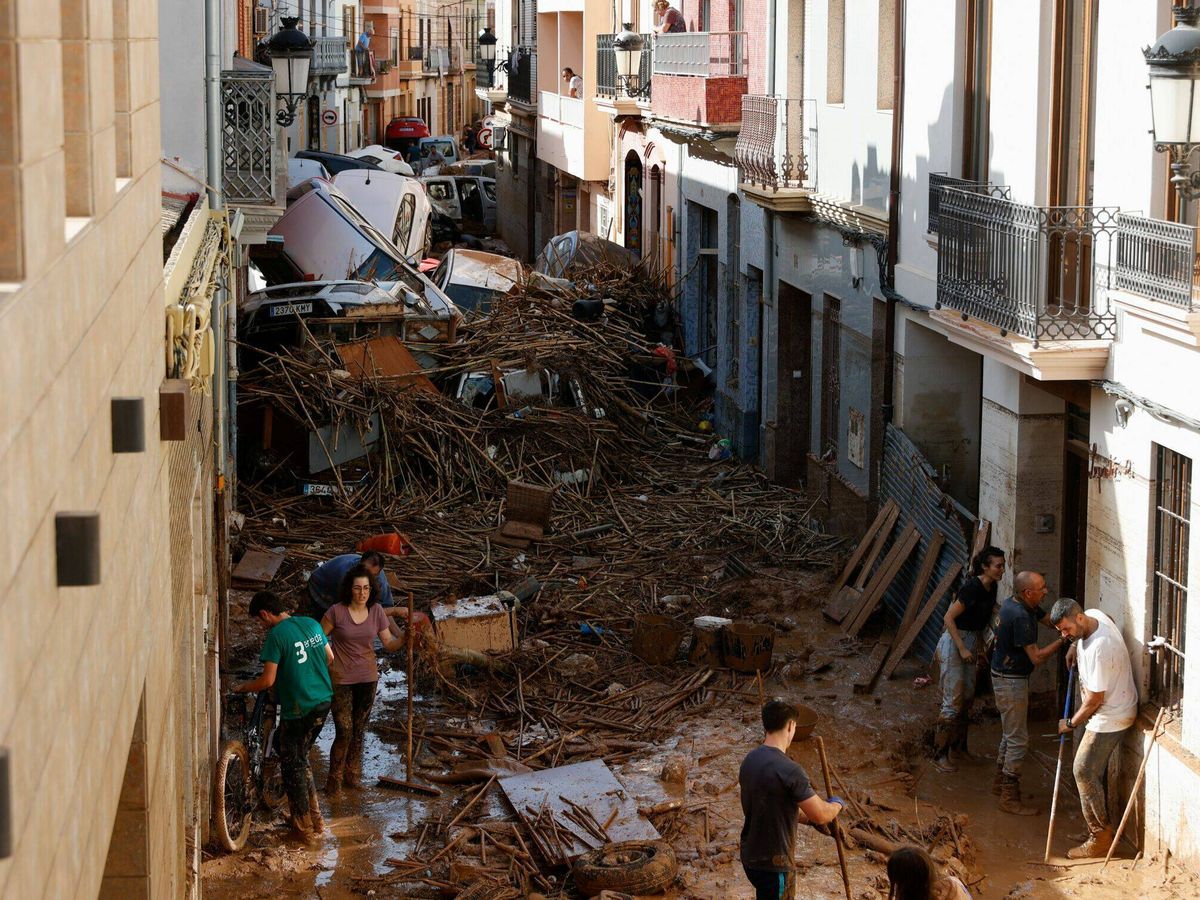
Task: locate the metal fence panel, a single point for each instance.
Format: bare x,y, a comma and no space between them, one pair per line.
910,481
770,145
701,53
1156,259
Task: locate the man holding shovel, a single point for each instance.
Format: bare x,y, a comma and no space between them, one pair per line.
776,794
1108,710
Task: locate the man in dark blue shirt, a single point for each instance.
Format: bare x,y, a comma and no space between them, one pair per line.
1014,657
776,794
325,583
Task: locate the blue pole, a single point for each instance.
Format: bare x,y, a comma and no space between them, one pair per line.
1062,743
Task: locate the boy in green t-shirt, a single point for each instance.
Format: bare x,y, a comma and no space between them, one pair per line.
295,658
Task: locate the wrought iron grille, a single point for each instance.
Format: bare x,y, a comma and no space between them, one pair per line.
708,54
939,180
329,56
1172,533
770,147
248,136
522,75
1157,259
362,64
606,69
1039,272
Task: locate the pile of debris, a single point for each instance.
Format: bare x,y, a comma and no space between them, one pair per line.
541,398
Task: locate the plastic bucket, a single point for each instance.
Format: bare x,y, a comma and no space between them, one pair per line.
748,647
656,639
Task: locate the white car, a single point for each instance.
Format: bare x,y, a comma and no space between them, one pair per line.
301,170
384,157
396,205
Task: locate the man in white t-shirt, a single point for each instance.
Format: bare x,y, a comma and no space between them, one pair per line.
1108,710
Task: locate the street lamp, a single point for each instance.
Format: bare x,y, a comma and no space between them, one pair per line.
487,47
291,54
487,56
627,45
1174,63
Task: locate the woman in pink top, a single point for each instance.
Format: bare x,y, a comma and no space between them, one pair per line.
352,625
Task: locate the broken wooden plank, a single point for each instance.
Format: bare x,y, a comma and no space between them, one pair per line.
400,784
848,596
983,537
860,551
257,567
904,641
921,582
865,682
888,569
877,545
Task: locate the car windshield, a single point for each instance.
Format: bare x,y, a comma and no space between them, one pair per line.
404,222
471,299
439,190
443,147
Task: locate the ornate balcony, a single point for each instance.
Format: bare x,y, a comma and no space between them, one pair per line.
770,153
699,79
362,66
248,144
939,180
437,59
522,76
1035,279
1157,260
617,98
329,57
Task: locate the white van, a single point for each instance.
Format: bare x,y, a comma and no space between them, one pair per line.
445,144
467,199
397,206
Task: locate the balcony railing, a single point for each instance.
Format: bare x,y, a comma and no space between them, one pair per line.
362,64
939,180
770,146
329,56
1157,259
248,129
606,69
1038,272
437,59
522,76
707,54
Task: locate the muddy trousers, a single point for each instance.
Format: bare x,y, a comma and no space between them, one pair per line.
351,709
770,885
1091,763
1012,701
957,678
296,737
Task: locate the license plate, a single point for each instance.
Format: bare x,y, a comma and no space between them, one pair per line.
290,309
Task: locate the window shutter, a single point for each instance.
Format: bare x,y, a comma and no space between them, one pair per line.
261,24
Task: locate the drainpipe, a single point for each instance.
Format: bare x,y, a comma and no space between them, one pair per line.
767,303
893,247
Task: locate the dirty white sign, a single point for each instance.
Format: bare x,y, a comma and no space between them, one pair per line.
856,440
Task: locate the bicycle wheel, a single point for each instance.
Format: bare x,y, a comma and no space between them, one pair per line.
232,810
272,792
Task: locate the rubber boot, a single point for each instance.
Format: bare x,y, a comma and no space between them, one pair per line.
303,828
943,737
998,779
1095,846
1010,798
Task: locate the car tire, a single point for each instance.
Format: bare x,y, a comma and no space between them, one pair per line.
632,867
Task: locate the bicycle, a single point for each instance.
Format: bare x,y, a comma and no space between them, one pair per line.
247,771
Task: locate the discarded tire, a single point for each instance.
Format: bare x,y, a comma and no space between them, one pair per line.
488,890
635,867
231,807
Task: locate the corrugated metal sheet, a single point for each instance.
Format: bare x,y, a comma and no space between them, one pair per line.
910,481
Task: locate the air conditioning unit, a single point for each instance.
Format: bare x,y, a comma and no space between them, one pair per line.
262,22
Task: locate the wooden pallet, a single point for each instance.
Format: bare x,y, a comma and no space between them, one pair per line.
884,576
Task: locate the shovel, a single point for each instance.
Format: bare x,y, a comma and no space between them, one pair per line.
1062,745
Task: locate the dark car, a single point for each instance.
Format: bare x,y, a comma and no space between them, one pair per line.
336,162
576,251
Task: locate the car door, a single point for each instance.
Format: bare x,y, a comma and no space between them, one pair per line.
444,197
470,198
491,211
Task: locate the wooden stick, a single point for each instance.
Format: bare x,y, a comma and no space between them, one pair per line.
1062,746
1137,783
410,627
833,825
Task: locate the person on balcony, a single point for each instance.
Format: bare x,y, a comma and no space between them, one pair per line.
670,20
574,83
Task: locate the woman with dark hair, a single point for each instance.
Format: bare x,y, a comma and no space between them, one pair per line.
966,619
912,875
353,624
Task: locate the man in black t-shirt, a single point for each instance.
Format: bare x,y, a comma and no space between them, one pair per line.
775,792
1013,660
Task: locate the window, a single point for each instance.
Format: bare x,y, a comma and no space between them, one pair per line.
404,221
886,82
1172,531
831,364
710,285
395,46
349,24
835,62
977,88
489,189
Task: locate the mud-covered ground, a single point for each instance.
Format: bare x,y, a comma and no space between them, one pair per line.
875,742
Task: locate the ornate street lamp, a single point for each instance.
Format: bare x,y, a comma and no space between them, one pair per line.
487,56
291,54
1174,63
487,47
627,45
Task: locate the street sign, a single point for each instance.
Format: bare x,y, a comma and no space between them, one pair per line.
485,138
329,117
